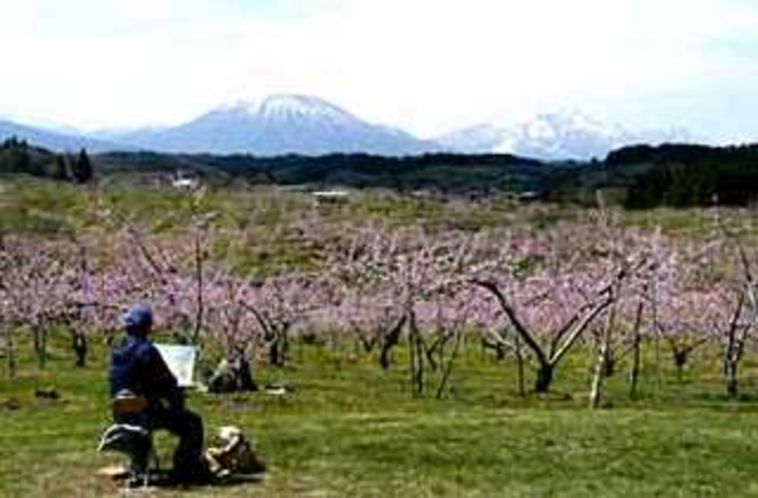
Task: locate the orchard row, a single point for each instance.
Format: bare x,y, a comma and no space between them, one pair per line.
533,293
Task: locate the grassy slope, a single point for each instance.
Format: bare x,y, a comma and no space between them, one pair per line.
349,429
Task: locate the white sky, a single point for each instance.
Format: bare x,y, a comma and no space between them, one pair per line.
425,65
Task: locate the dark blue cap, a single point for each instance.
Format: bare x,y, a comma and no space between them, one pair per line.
138,318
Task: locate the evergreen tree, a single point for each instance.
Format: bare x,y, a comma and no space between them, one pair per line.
82,168
16,158
58,169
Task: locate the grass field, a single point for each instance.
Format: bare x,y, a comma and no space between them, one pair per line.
349,429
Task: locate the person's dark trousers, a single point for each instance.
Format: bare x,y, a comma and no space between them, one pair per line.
189,428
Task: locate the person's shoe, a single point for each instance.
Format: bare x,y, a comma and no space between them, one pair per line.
137,481
197,474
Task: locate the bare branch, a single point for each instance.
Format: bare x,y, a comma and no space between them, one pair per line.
520,328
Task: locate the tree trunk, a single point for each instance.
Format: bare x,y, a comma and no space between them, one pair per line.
602,360
520,367
634,373
731,380
390,339
734,349
597,378
730,367
657,335
79,338
40,345
544,378
732,357
273,353
79,343
384,356
11,353
680,359
565,337
199,289
448,367
416,355
277,349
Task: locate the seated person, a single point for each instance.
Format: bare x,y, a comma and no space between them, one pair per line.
232,375
137,366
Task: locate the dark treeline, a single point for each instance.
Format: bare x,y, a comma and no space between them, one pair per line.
441,172
677,175
643,175
18,157
689,175
646,176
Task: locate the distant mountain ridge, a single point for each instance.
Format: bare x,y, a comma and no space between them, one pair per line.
57,141
554,136
278,125
305,125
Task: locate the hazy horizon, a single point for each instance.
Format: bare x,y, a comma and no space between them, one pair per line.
426,66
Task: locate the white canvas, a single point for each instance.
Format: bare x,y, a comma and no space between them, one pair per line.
181,362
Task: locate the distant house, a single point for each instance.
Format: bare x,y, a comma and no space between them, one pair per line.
183,182
528,196
330,197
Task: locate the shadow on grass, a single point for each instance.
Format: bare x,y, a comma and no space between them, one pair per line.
163,480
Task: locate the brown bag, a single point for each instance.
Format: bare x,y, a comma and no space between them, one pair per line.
233,454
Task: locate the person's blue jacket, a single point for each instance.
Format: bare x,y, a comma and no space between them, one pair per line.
137,365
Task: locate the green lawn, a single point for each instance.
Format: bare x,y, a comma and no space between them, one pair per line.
349,429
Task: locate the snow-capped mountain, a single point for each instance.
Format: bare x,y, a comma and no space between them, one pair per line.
285,123
279,124
554,136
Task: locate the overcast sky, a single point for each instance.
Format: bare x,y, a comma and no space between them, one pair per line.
425,65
